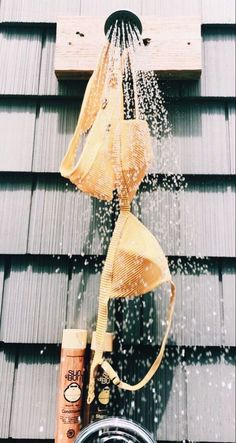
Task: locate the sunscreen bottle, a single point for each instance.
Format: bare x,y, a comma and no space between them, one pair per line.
98,409
68,419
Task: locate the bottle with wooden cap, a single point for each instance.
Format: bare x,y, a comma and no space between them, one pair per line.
68,419
99,408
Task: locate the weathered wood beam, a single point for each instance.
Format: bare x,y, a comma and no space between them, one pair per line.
174,50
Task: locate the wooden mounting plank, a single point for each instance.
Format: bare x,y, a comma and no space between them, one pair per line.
174,50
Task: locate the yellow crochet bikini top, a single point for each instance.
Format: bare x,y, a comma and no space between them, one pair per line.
116,155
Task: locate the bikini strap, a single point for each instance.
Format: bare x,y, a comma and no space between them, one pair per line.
105,291
89,109
112,373
95,88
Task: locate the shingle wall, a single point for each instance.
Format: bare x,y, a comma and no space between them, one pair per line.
56,292
170,404
54,239
211,11
44,131
37,76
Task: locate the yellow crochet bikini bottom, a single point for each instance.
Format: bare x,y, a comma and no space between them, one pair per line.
101,167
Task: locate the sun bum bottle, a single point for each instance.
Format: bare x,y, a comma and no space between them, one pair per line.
68,420
98,409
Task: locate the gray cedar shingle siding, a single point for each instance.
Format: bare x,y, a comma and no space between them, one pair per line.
17,125
199,130
1,278
17,46
66,221
15,203
43,220
52,293
35,388
211,11
57,219
7,365
37,314
188,396
37,76
171,399
198,221
229,287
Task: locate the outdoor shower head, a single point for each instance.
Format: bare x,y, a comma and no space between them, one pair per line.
127,19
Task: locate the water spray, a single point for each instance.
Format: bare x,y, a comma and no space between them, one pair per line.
116,156
123,20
